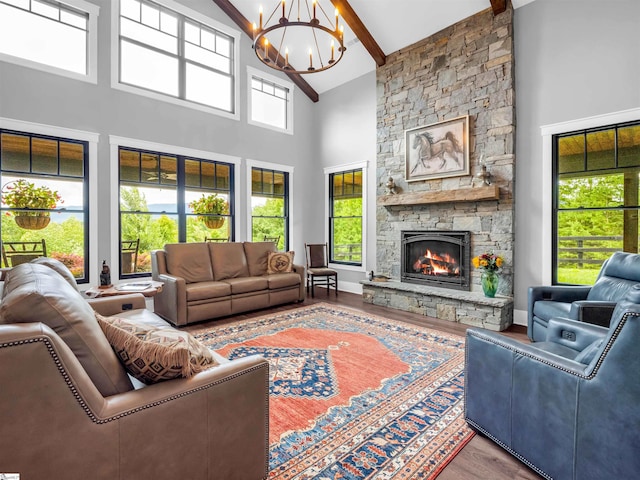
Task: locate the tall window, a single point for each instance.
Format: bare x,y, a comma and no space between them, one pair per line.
168,198
44,200
50,35
345,217
596,199
165,51
270,206
270,101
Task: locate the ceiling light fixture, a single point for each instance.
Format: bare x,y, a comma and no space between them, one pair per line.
311,41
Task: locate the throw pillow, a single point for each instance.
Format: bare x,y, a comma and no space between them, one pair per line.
152,354
280,262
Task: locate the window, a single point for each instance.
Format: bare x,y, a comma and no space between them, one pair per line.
270,206
596,199
55,171
156,194
50,36
346,216
270,101
171,53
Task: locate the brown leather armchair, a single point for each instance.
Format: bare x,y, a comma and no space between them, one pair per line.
57,424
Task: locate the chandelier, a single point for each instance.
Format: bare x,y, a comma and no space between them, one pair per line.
307,34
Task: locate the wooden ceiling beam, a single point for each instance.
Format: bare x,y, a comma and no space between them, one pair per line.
498,6
247,27
348,13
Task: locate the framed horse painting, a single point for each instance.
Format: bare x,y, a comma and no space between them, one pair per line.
439,150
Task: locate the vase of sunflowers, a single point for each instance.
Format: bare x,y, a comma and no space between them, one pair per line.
490,264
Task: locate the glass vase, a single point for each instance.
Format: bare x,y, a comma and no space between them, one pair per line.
490,283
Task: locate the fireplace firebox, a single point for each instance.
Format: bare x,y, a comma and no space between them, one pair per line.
436,258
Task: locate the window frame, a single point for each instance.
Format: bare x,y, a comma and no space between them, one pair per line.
92,48
289,86
198,18
557,209
117,142
90,181
289,205
328,172
547,131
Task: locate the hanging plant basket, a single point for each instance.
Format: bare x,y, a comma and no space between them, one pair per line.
30,222
213,222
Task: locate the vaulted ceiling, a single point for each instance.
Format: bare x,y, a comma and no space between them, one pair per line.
373,30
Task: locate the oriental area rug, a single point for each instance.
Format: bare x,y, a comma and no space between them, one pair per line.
354,395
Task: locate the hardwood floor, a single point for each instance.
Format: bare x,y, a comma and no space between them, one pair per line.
480,459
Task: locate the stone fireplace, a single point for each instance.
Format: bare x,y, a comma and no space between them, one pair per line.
436,258
464,70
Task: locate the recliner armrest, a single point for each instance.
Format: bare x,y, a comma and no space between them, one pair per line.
593,311
558,293
574,334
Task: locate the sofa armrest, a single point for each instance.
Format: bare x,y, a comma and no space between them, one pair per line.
108,306
171,302
574,334
593,311
300,269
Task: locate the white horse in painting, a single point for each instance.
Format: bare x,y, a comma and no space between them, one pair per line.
443,149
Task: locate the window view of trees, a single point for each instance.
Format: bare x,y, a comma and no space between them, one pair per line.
346,217
270,206
151,214
44,184
598,187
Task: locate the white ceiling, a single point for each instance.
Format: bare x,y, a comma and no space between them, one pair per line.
393,24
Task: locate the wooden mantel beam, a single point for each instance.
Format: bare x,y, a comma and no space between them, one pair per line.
498,6
247,27
348,13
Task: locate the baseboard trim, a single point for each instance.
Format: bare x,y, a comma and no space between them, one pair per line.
520,317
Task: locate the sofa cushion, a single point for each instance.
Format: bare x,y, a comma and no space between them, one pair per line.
229,260
37,293
257,254
152,354
280,262
206,290
189,261
59,267
247,284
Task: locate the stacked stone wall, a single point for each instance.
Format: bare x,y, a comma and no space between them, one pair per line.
466,69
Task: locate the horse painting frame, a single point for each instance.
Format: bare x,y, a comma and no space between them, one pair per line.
439,150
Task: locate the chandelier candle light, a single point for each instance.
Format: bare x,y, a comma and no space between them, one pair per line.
305,33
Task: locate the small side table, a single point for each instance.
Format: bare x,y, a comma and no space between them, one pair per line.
148,288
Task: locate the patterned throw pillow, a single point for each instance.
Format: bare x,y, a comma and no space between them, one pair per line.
152,354
280,262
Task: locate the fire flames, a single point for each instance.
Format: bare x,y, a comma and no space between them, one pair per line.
434,264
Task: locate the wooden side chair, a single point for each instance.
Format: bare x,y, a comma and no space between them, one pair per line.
275,240
15,253
318,271
129,255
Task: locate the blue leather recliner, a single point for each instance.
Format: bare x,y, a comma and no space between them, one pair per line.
590,304
568,407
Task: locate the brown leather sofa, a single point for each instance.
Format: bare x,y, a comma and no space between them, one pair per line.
69,410
210,280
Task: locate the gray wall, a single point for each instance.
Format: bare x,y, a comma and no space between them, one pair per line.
346,119
35,96
574,59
